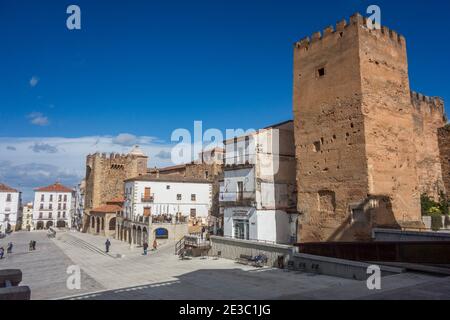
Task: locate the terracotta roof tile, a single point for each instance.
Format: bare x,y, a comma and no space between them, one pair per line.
56,187
108,208
5,188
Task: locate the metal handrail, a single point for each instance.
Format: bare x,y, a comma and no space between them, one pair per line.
255,240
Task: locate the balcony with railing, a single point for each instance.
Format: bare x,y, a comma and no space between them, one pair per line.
247,198
148,198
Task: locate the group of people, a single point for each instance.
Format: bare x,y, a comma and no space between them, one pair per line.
32,245
144,246
9,249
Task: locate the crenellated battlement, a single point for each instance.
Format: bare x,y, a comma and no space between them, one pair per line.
339,30
426,103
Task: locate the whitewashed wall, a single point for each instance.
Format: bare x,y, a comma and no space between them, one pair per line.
12,208
54,210
165,200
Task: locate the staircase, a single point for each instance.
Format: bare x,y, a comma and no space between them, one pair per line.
179,246
79,243
194,243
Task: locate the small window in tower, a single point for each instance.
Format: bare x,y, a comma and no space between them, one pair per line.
321,72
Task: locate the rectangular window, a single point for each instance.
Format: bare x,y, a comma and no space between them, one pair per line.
59,206
193,213
147,193
42,198
64,206
40,215
168,187
240,190
49,215
51,198
179,196
64,214
41,206
59,215
60,198
50,206
193,197
65,198
321,72
8,197
147,212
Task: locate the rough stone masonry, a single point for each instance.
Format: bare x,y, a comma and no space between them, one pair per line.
366,145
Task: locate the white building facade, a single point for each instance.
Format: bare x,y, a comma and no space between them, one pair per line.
27,217
167,196
258,192
10,208
52,207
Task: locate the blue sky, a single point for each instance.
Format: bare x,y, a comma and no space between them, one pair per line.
141,69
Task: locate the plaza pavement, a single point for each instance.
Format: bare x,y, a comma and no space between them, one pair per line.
125,273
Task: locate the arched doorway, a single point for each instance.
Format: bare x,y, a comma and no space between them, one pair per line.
49,224
161,233
40,225
60,224
97,225
112,224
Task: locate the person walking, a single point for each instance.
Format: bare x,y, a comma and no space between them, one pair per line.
34,245
30,245
203,232
107,245
145,246
9,247
155,245
2,252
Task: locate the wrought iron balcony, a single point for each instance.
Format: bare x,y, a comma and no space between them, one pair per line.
244,198
148,198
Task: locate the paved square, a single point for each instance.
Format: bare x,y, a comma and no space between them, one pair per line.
125,273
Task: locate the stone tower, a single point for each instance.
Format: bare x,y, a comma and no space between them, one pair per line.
105,174
356,130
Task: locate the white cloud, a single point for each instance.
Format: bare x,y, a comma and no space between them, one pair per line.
40,161
43,147
128,140
34,81
38,119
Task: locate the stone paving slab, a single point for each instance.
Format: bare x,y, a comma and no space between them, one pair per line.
161,275
44,270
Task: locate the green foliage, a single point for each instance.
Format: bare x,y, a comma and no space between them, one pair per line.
430,207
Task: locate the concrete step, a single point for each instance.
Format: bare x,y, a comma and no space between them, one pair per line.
79,243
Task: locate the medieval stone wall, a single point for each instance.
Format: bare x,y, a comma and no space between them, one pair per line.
389,129
444,150
105,175
329,132
428,118
365,146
